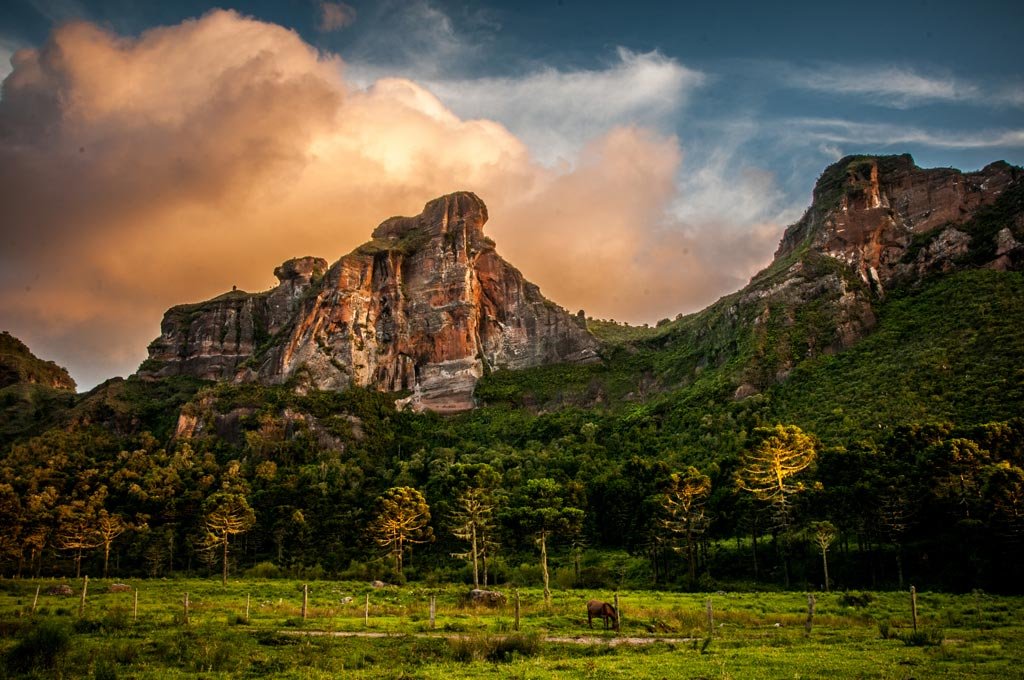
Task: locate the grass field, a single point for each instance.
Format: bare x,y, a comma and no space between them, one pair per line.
856,635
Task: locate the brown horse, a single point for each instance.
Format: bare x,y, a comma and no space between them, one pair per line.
596,608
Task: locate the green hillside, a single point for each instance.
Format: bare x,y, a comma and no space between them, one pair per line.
953,351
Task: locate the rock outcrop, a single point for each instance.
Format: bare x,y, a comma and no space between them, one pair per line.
427,306
871,212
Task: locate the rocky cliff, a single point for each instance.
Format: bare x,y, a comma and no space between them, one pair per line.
427,306
892,221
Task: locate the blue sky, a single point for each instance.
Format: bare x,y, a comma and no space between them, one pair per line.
674,140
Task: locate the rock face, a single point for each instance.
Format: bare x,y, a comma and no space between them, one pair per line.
869,212
426,306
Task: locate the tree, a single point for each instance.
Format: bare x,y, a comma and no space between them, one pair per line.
12,526
541,510
109,527
895,512
471,521
682,505
402,520
225,515
768,471
823,533
76,531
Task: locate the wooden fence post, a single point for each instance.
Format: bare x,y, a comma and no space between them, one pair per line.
433,610
81,603
913,606
247,607
366,612
135,606
305,600
618,614
35,600
517,610
811,602
185,607
711,620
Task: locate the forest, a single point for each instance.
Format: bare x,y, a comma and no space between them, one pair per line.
353,489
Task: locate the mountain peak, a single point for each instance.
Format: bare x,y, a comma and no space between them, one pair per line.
462,208
427,307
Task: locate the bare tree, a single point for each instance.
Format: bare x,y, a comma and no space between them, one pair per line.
823,534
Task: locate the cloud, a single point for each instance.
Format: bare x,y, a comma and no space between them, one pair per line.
57,11
898,87
8,47
839,131
141,172
417,40
335,16
556,111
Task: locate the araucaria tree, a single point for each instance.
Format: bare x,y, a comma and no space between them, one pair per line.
225,515
403,519
108,528
769,471
541,509
76,532
683,514
471,522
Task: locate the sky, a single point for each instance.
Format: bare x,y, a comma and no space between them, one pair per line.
638,160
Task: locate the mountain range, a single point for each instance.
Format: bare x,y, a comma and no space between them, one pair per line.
428,312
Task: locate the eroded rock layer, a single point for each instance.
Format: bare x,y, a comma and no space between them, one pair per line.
427,306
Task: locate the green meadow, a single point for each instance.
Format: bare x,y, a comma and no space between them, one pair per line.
662,634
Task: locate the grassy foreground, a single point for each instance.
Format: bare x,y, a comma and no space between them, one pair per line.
755,635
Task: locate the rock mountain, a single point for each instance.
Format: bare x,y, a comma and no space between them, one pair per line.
427,306
876,225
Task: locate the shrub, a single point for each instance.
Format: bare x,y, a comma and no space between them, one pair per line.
856,599
42,648
596,577
494,648
264,570
527,575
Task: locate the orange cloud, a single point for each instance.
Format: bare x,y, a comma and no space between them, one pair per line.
138,173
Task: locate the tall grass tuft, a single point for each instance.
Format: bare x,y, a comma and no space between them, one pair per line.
495,648
925,637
